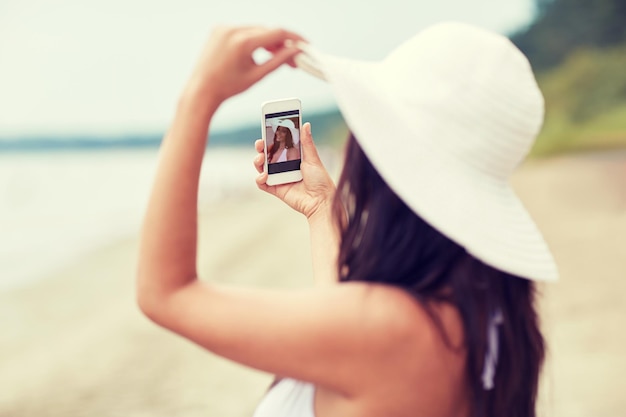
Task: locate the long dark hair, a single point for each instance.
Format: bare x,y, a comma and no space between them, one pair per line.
384,241
275,145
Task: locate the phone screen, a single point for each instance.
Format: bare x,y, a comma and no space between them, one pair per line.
282,133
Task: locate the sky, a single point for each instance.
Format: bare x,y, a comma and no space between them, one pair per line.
115,67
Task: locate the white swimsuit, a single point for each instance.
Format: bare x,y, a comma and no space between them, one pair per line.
288,398
283,156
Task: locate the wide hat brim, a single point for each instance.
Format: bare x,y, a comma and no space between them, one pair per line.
461,188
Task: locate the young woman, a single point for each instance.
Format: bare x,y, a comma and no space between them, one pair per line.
283,147
425,259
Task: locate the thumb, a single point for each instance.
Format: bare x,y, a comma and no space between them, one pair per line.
309,151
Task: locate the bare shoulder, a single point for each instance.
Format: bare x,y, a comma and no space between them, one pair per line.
407,324
293,153
414,349
392,307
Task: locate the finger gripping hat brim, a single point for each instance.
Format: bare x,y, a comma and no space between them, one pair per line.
445,119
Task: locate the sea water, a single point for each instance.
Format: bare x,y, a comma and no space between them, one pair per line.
56,206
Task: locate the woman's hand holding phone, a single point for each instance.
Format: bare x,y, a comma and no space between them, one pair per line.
311,196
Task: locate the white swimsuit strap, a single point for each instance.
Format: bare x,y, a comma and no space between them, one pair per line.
288,398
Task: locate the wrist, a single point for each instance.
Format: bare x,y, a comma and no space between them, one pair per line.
199,97
323,213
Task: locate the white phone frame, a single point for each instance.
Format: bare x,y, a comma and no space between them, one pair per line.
279,106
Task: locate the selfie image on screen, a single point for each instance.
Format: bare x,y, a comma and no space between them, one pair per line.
282,131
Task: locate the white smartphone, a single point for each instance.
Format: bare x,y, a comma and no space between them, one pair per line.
281,121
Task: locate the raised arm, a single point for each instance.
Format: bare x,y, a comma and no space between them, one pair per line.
167,259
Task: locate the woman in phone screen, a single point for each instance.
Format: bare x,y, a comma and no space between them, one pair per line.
284,147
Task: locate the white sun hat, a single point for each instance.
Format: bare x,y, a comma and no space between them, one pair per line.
289,124
445,119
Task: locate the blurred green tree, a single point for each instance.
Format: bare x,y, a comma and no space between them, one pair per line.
564,26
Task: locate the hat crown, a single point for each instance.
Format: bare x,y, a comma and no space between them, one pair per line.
286,123
483,103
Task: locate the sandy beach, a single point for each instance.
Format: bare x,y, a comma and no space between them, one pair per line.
74,344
